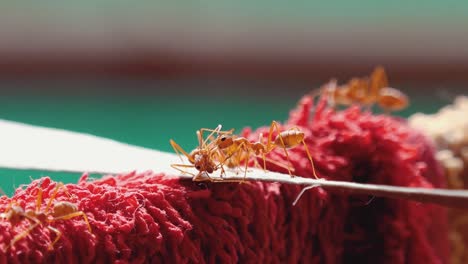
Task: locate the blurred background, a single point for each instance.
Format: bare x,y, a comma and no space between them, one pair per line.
144,72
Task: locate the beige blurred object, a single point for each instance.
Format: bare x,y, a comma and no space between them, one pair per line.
449,130
453,168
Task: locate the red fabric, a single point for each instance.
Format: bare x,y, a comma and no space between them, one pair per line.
150,217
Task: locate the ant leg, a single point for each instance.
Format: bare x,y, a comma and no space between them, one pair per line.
256,164
201,143
176,166
221,157
228,160
310,158
54,194
302,192
39,199
178,149
246,166
242,156
24,233
270,134
217,130
308,154
242,147
58,235
72,215
270,146
279,164
260,139
264,161
238,165
230,155
197,178
39,196
223,172
211,179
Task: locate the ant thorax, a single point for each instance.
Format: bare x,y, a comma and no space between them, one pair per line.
224,141
290,138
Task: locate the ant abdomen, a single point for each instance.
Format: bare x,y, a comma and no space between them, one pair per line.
289,138
392,99
64,208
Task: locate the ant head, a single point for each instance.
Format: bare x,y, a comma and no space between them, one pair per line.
15,214
203,163
224,141
200,161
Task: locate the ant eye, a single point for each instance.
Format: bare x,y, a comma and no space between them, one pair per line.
197,167
223,138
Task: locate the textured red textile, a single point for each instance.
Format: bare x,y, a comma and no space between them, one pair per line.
149,217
